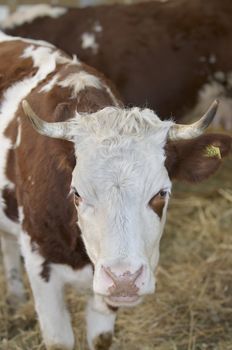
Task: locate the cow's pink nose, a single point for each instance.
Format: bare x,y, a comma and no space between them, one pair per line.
124,285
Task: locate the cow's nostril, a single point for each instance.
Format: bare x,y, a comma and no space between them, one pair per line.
124,284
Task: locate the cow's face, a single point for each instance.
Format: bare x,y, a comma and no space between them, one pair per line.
121,194
121,185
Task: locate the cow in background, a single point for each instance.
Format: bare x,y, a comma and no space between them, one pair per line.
174,57
86,194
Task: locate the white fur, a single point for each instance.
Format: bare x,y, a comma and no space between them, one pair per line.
97,27
50,85
30,13
19,134
89,42
81,279
49,302
99,320
62,59
116,126
43,57
113,98
79,81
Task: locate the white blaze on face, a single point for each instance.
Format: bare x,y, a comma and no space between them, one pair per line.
116,178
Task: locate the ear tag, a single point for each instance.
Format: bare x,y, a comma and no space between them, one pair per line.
213,151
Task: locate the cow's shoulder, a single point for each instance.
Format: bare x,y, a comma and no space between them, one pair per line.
13,66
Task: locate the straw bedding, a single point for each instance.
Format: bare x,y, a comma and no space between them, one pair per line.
192,306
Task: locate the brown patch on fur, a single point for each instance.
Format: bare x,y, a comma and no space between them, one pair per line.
11,207
13,67
187,160
157,203
112,308
103,341
45,273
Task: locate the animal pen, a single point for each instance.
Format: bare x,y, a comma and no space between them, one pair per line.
192,306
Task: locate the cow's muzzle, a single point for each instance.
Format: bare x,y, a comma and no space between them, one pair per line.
121,285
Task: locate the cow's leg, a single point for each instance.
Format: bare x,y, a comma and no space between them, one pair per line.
12,267
48,294
100,324
52,312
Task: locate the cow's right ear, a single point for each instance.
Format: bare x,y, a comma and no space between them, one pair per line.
64,111
196,159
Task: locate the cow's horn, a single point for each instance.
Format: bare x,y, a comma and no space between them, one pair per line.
184,132
59,130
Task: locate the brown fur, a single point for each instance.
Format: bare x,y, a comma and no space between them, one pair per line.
157,203
13,68
187,160
11,208
157,53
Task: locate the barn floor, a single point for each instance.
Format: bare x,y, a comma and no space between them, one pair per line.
192,307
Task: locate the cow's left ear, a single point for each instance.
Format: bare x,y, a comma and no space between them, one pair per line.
195,160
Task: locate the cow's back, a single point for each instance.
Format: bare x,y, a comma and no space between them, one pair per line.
158,54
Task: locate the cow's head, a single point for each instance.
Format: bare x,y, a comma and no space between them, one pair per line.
126,160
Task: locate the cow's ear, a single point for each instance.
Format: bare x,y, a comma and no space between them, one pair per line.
64,111
195,160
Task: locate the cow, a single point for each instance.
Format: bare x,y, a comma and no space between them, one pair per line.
174,57
85,186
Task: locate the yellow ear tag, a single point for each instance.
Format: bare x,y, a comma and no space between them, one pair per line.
213,151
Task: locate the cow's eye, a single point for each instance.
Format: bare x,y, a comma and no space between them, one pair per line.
163,193
157,202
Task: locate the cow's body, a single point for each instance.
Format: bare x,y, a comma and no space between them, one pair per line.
157,53
115,173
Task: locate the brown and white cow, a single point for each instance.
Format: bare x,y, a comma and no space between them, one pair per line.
86,193
174,57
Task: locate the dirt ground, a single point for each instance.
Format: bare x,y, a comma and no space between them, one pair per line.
192,306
